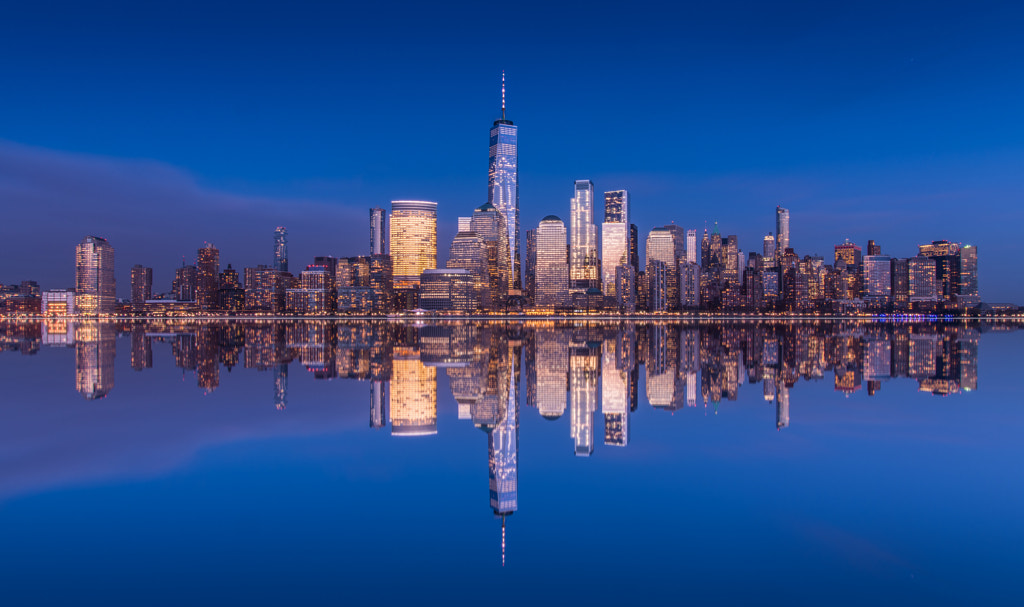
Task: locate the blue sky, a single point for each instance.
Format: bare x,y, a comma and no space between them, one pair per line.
163,127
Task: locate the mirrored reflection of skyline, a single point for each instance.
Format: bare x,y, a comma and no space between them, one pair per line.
587,376
582,369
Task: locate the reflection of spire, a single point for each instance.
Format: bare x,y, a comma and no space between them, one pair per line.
281,387
502,540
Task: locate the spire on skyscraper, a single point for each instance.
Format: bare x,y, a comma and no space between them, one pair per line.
502,94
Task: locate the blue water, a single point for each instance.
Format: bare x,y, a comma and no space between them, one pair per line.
162,492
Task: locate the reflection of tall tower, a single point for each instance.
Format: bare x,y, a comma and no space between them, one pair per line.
615,392
503,448
503,184
95,347
782,407
413,406
281,387
551,361
584,369
378,396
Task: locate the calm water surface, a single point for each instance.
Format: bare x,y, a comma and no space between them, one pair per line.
338,463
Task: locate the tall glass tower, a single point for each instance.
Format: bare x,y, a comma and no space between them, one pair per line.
281,249
781,231
95,286
583,239
503,183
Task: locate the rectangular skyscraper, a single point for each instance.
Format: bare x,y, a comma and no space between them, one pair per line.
378,228
503,182
583,239
281,249
413,240
781,231
95,288
614,238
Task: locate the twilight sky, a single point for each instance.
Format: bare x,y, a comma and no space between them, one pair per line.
162,127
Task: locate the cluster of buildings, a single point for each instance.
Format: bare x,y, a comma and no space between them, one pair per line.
588,264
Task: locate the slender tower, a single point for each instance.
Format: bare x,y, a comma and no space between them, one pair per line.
503,183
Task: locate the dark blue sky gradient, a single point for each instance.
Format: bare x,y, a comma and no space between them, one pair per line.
177,124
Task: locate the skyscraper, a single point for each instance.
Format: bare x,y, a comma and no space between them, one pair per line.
377,230
413,240
207,274
489,224
469,252
614,238
503,183
95,287
552,278
781,231
281,249
142,286
583,239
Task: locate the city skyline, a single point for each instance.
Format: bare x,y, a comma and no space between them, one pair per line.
845,171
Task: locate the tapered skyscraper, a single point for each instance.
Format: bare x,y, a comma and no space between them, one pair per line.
503,182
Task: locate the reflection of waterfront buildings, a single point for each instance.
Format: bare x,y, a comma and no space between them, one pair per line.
580,368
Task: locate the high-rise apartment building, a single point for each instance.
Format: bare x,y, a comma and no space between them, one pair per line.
469,252
877,279
782,231
142,286
207,275
413,240
95,287
583,259
281,249
378,228
552,277
769,251
503,184
614,238
922,286
692,250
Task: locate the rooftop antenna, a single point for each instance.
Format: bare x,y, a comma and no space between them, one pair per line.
503,94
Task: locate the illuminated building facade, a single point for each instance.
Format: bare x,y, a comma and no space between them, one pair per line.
782,241
95,287
469,252
413,240
413,405
530,267
142,286
378,229
583,259
584,369
921,283
552,277
58,302
207,275
281,249
877,280
489,225
454,289
503,185
264,289
95,347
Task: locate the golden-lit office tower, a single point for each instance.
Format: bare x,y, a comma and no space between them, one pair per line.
489,224
552,369
667,245
615,391
469,252
552,278
142,286
413,241
413,406
207,275
614,238
583,259
95,347
782,231
850,254
584,369
95,287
